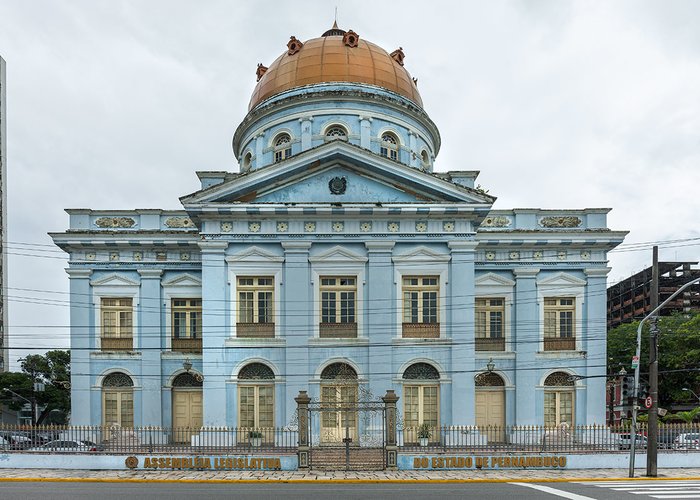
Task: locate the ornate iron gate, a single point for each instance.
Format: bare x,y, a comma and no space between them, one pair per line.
347,435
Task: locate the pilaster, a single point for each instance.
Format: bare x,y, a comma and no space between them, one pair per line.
526,336
380,319
214,331
151,345
306,132
461,312
259,146
81,312
365,132
297,296
594,335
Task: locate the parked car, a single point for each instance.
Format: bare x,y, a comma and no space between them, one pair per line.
63,445
16,440
689,441
667,437
624,441
4,444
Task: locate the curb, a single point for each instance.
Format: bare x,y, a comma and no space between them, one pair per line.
338,481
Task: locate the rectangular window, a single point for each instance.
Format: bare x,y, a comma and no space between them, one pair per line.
559,324
558,408
420,307
119,408
338,303
489,324
117,324
256,307
186,325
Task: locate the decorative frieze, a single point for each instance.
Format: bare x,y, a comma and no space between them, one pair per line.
558,222
226,227
115,222
496,221
448,226
179,222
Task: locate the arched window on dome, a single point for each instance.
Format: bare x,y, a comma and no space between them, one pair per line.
247,162
389,146
283,147
336,132
425,159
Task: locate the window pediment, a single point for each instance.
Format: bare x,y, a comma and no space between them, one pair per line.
254,254
114,280
492,279
338,254
183,280
561,279
422,254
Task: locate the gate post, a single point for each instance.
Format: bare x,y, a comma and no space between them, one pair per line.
390,447
303,401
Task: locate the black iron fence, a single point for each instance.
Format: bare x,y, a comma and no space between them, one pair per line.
537,439
673,438
118,440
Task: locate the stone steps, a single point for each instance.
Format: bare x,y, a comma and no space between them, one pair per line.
361,459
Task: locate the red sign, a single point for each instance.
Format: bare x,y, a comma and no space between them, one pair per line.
648,402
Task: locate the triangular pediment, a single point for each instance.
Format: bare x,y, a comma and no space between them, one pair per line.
492,279
183,280
338,254
369,178
255,254
114,280
421,254
561,279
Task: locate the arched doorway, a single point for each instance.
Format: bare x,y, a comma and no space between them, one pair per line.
490,406
338,403
187,407
256,403
559,400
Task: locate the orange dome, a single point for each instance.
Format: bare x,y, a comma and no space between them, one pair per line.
330,59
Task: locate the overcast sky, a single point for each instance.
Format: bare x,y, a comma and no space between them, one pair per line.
115,105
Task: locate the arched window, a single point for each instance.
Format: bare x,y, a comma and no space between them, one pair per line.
488,380
247,161
283,147
118,400
559,400
390,146
421,371
421,401
425,159
338,396
187,380
336,132
256,396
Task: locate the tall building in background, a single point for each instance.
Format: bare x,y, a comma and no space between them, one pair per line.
3,219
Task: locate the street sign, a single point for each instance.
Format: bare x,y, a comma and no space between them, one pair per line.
648,402
635,361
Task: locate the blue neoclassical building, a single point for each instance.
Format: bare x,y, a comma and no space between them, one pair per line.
336,261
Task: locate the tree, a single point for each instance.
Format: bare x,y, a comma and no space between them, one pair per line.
53,370
679,351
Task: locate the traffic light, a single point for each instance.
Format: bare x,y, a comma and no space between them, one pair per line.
643,390
627,388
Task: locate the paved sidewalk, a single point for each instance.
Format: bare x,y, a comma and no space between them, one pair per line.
299,476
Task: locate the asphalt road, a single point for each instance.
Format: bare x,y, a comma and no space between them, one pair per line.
405,491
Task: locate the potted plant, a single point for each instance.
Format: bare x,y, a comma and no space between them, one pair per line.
255,438
424,433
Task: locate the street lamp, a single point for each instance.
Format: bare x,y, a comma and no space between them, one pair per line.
692,392
490,366
31,403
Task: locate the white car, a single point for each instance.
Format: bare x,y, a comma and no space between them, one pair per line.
690,441
4,444
624,441
63,445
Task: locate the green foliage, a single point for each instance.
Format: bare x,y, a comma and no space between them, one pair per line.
683,416
679,350
53,369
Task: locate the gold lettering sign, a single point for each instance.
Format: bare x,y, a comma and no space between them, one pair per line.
492,462
213,463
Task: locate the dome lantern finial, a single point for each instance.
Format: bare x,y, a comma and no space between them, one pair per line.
334,31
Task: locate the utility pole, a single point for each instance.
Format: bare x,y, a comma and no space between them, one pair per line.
653,421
